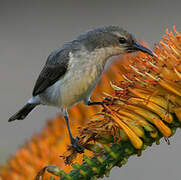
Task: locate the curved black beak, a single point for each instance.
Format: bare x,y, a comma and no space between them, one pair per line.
139,47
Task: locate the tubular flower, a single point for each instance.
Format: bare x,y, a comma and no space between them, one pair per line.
144,106
47,146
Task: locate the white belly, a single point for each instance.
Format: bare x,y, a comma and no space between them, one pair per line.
78,86
74,87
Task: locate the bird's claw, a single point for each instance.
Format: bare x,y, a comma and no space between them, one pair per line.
77,146
108,99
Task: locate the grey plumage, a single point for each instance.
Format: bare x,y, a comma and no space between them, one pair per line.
57,61
72,71
55,67
103,37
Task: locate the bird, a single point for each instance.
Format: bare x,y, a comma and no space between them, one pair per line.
72,71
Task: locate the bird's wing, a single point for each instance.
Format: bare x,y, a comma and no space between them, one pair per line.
55,67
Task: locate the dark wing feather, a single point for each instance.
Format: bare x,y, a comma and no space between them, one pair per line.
54,69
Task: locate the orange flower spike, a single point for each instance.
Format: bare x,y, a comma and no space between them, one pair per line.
167,60
153,98
135,140
178,113
138,130
176,100
178,67
22,162
174,59
171,38
114,75
15,176
173,44
167,32
165,130
177,73
105,85
174,50
178,37
151,106
75,113
169,74
172,87
152,66
150,116
164,45
142,123
165,39
175,31
177,41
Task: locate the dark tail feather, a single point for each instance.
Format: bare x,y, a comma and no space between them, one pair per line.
22,113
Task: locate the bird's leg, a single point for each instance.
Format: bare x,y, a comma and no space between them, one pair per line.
75,144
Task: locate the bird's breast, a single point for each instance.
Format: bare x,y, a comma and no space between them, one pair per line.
78,84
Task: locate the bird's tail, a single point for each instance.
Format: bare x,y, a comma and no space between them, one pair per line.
22,113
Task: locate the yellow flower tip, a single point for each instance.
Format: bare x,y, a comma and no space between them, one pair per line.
155,54
166,31
135,140
178,113
177,73
163,44
165,130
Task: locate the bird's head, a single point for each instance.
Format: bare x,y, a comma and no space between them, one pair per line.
114,39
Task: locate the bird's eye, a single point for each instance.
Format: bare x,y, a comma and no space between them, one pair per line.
122,40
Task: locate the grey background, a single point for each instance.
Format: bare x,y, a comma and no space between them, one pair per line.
30,30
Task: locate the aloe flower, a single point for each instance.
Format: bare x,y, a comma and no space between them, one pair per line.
142,104
144,107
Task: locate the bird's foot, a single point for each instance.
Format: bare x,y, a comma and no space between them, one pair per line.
108,99
90,103
102,103
76,145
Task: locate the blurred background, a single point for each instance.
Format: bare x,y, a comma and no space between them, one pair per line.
30,30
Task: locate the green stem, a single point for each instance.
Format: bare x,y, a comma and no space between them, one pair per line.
114,155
